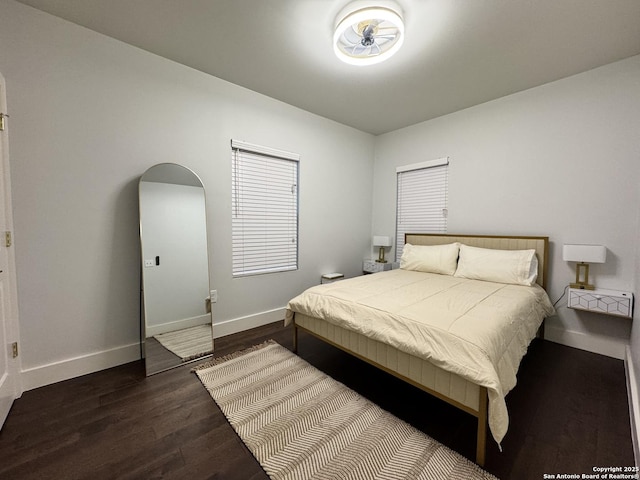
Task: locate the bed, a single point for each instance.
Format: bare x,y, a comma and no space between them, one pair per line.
454,330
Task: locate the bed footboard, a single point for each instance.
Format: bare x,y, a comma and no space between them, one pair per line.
482,414
444,385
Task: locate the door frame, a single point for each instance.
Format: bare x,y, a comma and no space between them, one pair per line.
11,385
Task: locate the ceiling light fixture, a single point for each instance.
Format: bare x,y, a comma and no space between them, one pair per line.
369,35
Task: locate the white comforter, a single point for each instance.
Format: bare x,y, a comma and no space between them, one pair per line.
478,330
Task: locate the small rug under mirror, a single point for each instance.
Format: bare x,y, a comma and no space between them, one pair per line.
301,424
188,343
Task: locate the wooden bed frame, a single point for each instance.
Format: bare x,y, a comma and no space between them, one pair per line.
451,388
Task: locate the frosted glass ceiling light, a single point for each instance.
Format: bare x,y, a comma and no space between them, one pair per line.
368,35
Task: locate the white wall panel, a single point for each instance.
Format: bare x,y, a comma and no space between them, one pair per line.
89,115
558,160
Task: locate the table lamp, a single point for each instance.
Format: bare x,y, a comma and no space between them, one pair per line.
584,255
382,242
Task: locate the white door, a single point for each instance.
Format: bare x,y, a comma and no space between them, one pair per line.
10,382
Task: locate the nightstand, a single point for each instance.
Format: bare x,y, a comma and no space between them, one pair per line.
331,277
371,266
609,302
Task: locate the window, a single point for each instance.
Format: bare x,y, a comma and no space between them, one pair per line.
265,209
422,199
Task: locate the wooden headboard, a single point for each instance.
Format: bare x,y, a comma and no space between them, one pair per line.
539,244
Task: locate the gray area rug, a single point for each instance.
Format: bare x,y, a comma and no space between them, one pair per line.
301,424
188,343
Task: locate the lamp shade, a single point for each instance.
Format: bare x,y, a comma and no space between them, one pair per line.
584,253
381,241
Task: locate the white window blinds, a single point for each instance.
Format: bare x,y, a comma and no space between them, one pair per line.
264,209
422,199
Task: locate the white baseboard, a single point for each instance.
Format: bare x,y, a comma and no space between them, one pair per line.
610,347
153,330
634,403
74,367
241,324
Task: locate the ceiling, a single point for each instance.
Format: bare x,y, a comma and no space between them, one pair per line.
457,53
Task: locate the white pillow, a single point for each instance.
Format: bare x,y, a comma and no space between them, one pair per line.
518,267
430,258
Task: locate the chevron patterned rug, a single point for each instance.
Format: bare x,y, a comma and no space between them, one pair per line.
188,343
301,424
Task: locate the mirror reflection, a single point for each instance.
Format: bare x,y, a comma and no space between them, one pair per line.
176,308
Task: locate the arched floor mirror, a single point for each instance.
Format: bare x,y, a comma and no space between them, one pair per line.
176,308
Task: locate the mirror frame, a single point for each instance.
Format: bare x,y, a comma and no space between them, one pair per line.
185,176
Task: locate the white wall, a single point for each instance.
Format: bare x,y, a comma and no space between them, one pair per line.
634,344
88,116
560,160
632,359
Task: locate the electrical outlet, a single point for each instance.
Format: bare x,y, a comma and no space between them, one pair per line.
214,296
148,263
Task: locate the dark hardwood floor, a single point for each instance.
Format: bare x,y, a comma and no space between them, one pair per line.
568,414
